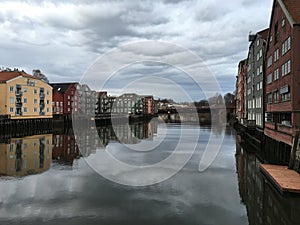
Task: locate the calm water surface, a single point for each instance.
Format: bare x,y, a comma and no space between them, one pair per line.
47,180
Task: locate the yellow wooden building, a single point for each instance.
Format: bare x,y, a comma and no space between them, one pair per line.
23,96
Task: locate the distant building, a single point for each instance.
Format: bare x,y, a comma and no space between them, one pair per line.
240,109
102,104
24,96
111,101
282,103
148,105
255,77
128,103
65,98
38,74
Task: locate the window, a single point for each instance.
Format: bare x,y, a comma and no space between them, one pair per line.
283,22
35,110
68,96
35,91
269,98
48,110
286,68
260,85
260,53
286,46
35,101
11,88
48,102
25,90
269,78
286,97
276,96
276,33
25,109
257,42
249,104
269,61
48,92
257,86
260,69
276,55
11,100
11,109
258,102
257,57
257,71
285,93
276,74
25,100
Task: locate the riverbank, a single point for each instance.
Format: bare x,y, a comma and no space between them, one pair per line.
275,158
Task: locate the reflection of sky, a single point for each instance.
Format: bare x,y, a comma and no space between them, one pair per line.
61,196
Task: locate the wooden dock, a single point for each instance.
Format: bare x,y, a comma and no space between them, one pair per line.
285,180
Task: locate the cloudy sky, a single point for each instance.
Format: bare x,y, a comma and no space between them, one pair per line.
64,38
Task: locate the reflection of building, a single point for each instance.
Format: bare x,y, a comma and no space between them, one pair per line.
65,147
25,156
265,205
24,96
282,103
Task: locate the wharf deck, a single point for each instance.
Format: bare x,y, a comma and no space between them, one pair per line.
285,180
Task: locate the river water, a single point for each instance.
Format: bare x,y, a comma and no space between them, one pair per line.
48,179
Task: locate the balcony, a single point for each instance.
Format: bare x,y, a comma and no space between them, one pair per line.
287,129
19,112
270,125
42,95
19,104
19,93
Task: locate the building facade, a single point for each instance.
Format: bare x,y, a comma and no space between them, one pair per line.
128,103
282,104
102,103
148,105
24,96
255,77
65,98
240,109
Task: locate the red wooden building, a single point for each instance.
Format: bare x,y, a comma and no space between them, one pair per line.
65,98
282,76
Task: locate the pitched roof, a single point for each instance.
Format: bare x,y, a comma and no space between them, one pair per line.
293,8
8,75
264,34
61,87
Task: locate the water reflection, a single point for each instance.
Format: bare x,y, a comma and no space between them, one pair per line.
33,154
265,205
80,196
26,156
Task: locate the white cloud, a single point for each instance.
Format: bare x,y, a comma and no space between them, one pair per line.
63,38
